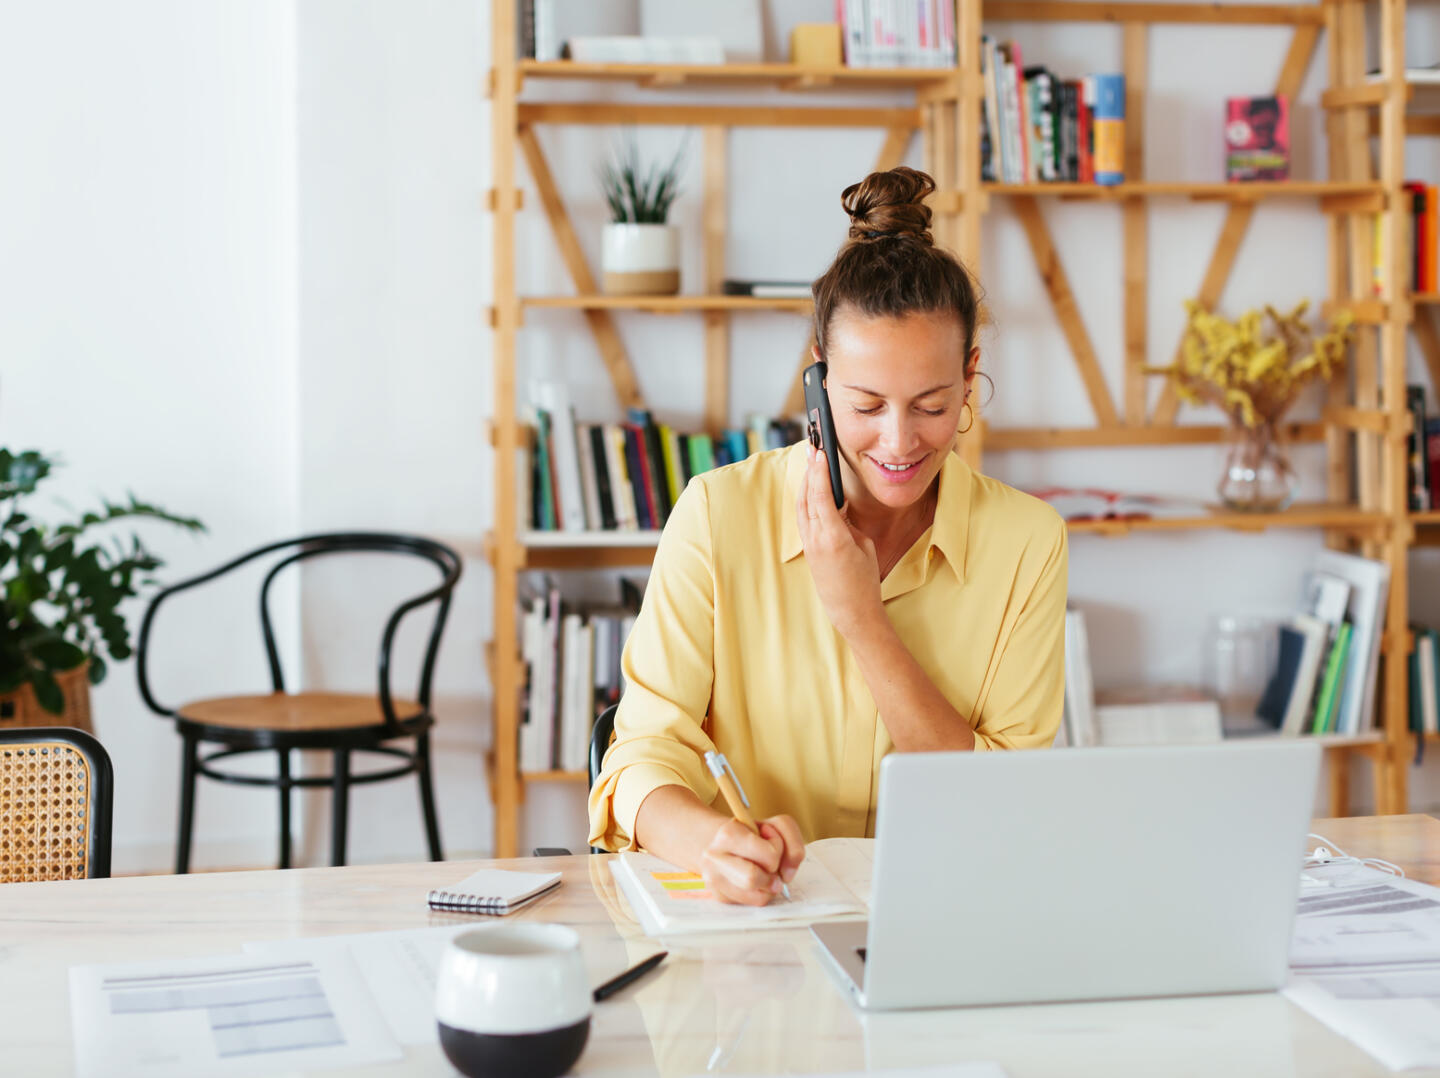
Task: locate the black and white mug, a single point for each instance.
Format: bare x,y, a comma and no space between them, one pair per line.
513,999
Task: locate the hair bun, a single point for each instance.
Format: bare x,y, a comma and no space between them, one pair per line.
886,205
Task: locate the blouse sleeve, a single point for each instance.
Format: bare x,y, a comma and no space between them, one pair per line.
669,669
1027,697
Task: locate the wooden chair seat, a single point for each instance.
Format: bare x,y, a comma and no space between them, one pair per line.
295,712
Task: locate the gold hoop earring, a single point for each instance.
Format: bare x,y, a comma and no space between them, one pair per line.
966,430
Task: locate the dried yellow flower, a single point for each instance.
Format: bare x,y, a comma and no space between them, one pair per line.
1255,375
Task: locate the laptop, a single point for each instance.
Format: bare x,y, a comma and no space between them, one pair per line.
1026,877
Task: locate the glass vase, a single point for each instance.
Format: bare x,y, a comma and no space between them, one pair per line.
1257,477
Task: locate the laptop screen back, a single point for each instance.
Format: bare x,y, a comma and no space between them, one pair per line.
1086,874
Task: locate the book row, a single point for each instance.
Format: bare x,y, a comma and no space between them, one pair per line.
897,33
1038,128
623,476
1423,241
572,673
1425,682
1328,652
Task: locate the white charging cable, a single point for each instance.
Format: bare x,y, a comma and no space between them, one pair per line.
1328,854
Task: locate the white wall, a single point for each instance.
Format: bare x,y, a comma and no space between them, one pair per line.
147,334
243,249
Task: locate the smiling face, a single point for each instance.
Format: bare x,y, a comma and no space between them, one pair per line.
897,386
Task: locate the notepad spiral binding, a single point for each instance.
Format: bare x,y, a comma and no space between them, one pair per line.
458,900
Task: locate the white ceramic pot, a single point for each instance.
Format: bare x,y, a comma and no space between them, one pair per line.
640,260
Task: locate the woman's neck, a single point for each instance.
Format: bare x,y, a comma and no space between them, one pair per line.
887,527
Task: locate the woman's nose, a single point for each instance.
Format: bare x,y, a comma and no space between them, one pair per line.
898,436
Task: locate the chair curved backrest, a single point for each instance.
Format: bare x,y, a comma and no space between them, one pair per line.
56,792
600,736
446,560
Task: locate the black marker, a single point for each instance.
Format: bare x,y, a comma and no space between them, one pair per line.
634,973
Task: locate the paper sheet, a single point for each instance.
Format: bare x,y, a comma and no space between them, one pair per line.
1392,1015
223,1016
668,900
1368,918
400,969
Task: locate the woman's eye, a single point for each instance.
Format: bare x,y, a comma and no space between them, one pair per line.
938,411
867,411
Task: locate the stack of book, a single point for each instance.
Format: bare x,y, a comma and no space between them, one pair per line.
898,33
572,673
622,476
1425,682
1424,240
1324,679
1038,128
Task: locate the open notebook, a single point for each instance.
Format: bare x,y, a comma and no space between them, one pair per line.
833,882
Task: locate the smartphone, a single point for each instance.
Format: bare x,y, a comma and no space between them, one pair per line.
820,426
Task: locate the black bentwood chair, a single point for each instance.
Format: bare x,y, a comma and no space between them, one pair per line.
281,721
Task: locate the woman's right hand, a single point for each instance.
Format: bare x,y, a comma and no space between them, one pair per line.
742,867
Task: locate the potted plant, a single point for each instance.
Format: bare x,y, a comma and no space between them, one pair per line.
639,251
1254,372
60,596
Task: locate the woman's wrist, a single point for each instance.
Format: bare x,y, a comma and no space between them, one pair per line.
861,623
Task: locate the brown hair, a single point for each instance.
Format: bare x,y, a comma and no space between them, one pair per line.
890,267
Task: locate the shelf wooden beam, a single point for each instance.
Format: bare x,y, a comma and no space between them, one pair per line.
1217,192
998,439
602,327
620,113
1136,269
1337,517
1366,312
1366,95
1222,14
792,77
1062,297
717,325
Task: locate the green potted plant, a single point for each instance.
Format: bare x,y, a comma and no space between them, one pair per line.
639,250
60,597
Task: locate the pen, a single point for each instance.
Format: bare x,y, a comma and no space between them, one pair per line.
729,784
634,973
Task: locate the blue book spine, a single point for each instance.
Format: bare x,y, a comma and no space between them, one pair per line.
1109,129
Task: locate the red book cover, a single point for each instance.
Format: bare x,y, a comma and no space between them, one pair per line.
1432,451
1416,206
1257,138
1432,197
1084,113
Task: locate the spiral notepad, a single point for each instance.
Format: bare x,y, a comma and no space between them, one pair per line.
494,891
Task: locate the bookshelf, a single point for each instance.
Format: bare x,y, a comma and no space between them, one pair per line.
1363,429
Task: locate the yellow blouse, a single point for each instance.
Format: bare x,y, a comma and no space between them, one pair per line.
732,649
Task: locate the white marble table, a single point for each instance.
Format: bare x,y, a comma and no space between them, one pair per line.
757,1003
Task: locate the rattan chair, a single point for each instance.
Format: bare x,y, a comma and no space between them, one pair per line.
56,788
280,721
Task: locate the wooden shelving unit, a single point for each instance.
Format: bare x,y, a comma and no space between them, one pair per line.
1363,430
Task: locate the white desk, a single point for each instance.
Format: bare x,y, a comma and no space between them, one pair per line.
758,1003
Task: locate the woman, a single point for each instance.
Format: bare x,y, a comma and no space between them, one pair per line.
805,643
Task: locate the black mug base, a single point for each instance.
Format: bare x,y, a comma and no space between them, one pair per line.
501,1055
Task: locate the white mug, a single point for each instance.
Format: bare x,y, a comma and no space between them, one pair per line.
513,999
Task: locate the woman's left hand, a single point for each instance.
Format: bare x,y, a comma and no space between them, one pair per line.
842,561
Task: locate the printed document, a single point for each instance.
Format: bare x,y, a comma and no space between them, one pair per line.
400,969
1365,960
223,1016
